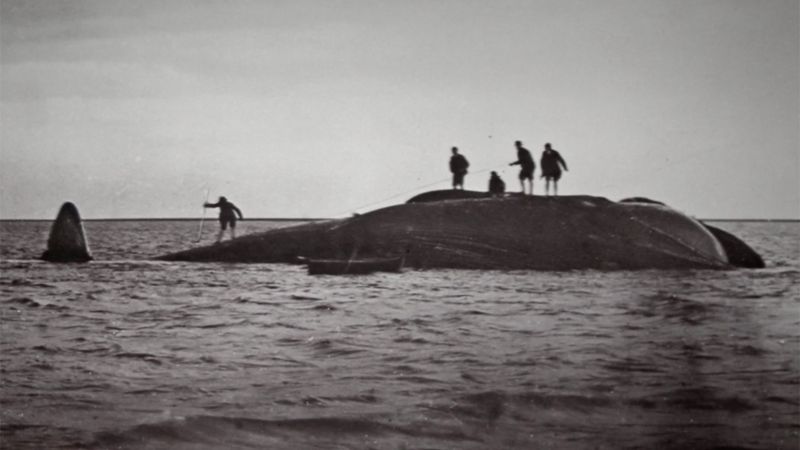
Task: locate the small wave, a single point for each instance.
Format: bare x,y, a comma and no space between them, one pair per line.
323,308
553,312
485,406
305,297
788,401
420,379
476,312
411,340
153,359
403,369
212,284
24,301
565,401
698,398
261,302
491,405
522,363
472,378
43,366
780,269
290,341
49,349
312,401
684,304
57,308
273,362
255,301
597,334
147,313
14,427
630,365
364,398
96,350
291,326
406,322
321,344
342,351
17,282
749,350
211,431
150,391
222,324
327,347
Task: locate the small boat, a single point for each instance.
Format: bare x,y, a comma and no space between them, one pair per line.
353,266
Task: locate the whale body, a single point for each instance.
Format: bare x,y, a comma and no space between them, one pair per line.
67,241
472,230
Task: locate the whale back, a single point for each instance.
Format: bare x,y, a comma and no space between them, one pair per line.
67,241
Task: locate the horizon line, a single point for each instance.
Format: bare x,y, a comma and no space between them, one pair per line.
317,219
178,219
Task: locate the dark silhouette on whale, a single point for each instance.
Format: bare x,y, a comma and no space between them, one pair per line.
472,230
67,241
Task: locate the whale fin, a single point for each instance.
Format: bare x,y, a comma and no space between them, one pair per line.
739,253
67,241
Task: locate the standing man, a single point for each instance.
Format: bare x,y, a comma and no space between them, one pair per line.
527,166
226,216
458,166
552,162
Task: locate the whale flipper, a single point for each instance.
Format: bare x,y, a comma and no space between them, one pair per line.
67,241
739,253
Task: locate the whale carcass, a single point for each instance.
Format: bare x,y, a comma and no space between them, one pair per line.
471,230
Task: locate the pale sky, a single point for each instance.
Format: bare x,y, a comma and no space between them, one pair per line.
325,108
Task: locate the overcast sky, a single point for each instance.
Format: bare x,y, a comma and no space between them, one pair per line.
323,108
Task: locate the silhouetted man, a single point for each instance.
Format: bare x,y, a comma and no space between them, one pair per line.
496,185
551,168
226,216
458,165
527,166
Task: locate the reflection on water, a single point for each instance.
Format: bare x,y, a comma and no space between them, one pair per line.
128,353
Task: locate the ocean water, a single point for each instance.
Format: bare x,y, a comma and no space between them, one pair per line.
127,353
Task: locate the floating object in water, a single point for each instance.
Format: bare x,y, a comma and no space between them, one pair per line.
353,266
67,241
470,230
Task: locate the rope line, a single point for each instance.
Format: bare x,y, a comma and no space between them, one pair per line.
442,180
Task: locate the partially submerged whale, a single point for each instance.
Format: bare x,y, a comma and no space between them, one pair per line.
67,241
472,230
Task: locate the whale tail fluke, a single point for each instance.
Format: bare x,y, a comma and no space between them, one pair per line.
67,241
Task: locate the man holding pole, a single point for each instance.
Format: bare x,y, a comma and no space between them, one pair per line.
527,166
227,216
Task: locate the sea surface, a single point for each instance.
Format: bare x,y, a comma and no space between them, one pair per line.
128,353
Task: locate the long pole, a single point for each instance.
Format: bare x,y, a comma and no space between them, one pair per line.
203,218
